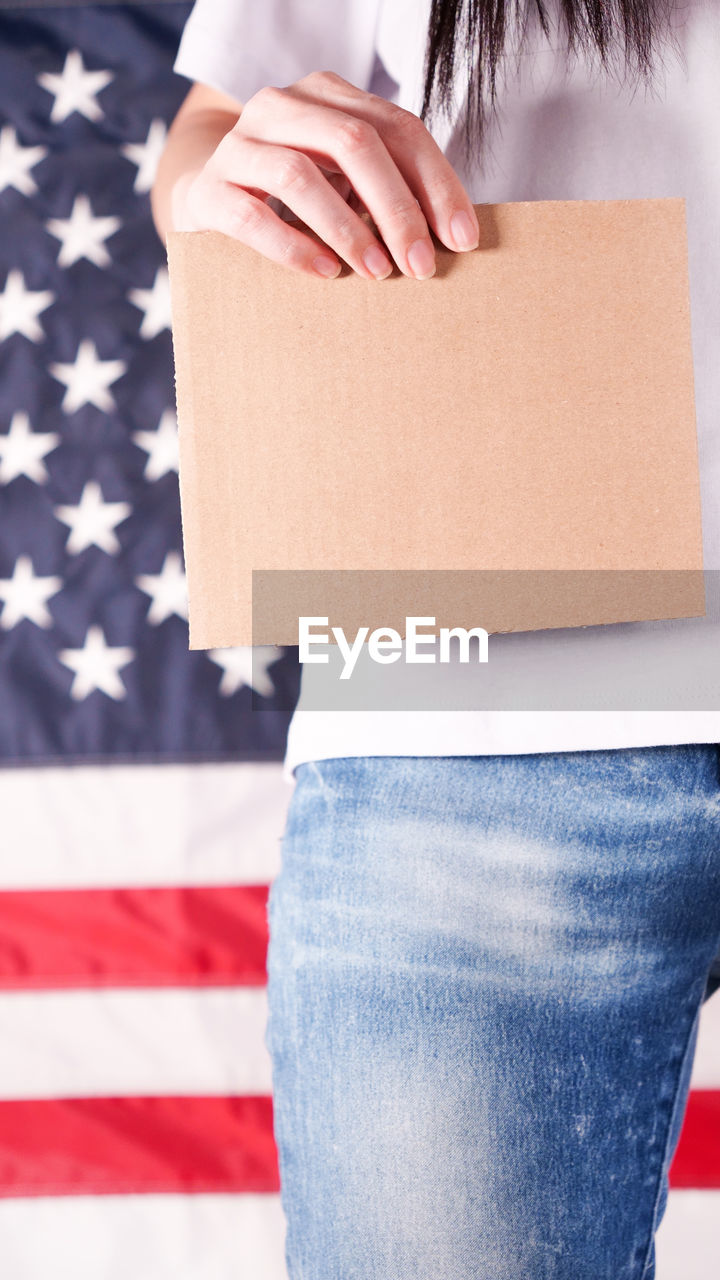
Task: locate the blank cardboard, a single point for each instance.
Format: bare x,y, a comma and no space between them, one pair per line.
530,407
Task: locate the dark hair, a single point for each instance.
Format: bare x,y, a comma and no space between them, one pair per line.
480,28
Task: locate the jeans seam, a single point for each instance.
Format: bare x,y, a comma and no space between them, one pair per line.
287,982
664,1169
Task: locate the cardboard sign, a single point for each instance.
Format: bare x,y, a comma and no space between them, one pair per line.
529,408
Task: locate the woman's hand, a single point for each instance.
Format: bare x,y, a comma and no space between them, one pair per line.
329,152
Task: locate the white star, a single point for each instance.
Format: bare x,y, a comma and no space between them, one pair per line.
93,521
96,666
20,308
161,446
88,379
16,162
146,156
22,451
82,235
167,588
25,595
244,665
155,303
75,88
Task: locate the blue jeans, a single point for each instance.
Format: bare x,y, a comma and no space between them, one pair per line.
484,979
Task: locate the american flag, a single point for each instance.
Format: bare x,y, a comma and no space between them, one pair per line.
141,795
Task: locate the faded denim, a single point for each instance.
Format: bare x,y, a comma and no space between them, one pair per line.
484,977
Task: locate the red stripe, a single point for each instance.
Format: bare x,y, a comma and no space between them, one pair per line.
96,1146
697,1159
108,1146
212,935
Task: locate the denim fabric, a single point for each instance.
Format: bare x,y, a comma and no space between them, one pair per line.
484,980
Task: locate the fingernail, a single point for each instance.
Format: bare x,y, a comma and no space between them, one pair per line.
463,232
421,259
327,267
377,262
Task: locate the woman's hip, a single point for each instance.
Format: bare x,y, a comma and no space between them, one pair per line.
484,977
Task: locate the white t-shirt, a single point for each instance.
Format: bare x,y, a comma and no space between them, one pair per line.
565,130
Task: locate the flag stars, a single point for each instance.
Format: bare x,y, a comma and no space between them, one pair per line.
75,89
16,162
20,308
96,666
92,522
245,666
146,156
167,589
25,596
88,378
155,303
161,446
82,235
22,451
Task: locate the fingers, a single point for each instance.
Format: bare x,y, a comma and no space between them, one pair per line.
443,198
346,164
429,174
353,146
245,216
292,177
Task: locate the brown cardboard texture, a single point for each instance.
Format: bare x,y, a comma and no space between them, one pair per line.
530,407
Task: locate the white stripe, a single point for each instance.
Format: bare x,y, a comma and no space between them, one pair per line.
688,1241
108,1042
706,1064
62,1043
90,826
225,1237
169,1237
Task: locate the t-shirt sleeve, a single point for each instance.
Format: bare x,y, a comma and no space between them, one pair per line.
239,46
